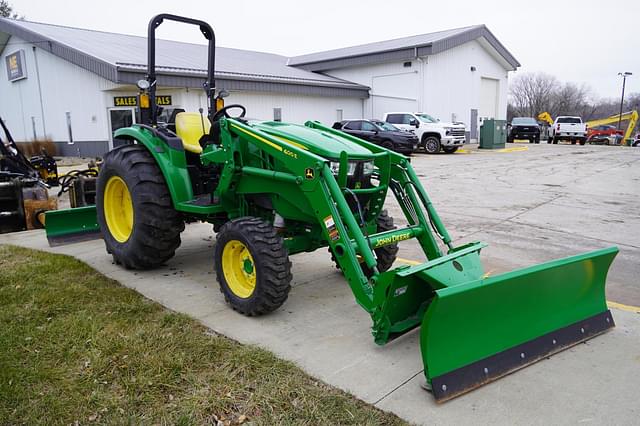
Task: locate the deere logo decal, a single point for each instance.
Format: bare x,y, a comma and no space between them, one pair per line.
309,173
393,239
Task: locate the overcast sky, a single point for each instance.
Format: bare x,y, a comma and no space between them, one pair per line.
579,41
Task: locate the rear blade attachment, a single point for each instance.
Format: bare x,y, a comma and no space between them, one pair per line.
478,331
72,225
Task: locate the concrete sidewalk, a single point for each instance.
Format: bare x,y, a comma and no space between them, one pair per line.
322,330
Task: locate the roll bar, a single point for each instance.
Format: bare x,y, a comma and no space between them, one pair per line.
209,85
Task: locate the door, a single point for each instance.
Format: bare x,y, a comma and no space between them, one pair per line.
119,118
369,132
394,92
488,98
402,121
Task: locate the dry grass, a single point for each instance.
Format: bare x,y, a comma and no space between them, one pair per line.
77,346
35,147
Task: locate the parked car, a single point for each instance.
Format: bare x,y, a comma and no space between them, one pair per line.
605,133
384,134
432,133
568,128
524,128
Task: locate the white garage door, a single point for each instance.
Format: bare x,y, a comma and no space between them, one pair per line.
396,92
488,98
382,104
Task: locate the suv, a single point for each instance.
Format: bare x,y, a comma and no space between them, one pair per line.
432,133
524,128
384,134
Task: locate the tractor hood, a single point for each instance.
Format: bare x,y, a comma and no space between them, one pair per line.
319,142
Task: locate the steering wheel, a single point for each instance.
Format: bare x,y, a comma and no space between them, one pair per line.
223,112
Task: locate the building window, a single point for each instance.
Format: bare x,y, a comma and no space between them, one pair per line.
277,114
407,64
338,115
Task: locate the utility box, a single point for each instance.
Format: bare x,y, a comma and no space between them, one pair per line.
493,134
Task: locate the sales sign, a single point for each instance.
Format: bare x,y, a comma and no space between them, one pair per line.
121,101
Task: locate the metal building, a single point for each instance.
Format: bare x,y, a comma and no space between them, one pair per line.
455,75
76,86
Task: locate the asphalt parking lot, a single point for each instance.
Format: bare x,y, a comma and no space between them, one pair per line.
530,203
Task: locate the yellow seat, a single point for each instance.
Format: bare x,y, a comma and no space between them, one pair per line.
189,128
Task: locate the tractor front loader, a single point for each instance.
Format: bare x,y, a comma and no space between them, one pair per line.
272,190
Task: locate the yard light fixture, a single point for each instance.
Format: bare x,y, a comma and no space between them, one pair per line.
624,81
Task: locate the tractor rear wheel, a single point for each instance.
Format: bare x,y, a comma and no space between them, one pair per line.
140,227
252,266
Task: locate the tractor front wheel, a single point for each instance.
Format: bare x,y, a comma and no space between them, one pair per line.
140,227
252,266
385,255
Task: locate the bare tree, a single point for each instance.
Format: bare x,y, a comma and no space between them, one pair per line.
571,99
532,93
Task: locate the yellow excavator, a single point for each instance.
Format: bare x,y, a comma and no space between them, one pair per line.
631,116
546,117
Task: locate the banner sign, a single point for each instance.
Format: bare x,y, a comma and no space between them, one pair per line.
16,69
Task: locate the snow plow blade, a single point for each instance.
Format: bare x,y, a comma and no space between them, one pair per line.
478,331
72,225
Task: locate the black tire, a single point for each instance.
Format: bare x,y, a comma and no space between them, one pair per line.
387,144
155,233
573,142
270,262
449,149
431,144
582,141
385,255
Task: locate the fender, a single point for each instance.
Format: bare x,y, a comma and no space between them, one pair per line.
170,160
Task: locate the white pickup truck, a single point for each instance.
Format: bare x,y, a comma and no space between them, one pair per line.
568,128
432,133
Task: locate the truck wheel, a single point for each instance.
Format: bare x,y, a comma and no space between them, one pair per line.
449,149
385,255
582,141
140,227
252,266
431,145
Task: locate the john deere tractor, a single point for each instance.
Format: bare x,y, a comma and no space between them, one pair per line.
272,190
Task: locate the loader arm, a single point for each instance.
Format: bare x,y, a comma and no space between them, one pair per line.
473,329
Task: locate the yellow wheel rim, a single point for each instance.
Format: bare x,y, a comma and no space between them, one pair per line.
239,269
118,209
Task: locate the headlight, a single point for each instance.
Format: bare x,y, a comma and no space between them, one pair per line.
335,168
368,168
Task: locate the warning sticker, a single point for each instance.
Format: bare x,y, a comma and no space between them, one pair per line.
330,224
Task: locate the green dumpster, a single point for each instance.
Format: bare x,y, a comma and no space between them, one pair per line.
493,134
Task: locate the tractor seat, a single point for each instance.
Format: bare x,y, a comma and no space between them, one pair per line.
189,128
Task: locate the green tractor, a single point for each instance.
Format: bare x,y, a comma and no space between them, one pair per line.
272,190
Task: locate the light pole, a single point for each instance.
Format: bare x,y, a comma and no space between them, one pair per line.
624,81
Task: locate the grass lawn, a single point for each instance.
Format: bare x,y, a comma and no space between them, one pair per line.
76,346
